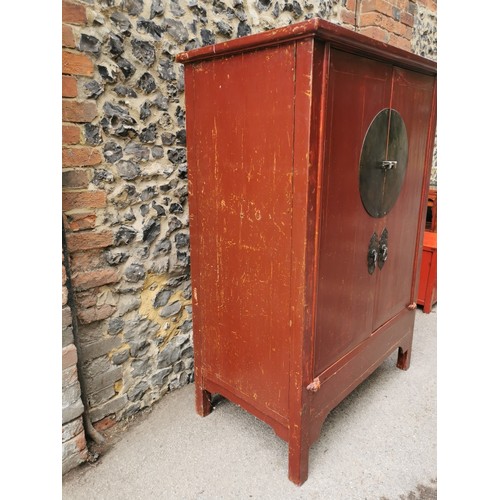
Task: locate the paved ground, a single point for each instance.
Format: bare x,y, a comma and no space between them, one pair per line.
379,443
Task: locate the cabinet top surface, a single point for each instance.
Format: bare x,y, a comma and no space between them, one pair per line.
337,36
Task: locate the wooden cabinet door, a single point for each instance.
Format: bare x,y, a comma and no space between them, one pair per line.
351,302
412,98
358,89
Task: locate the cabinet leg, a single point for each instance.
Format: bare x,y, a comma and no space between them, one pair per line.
404,358
428,302
427,305
203,401
298,461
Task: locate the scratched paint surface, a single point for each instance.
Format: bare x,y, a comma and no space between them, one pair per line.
349,313
345,289
240,171
412,98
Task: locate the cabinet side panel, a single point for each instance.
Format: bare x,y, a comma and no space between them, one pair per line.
240,151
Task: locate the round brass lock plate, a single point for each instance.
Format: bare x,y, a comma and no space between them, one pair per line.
382,166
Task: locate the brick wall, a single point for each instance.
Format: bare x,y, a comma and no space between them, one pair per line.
125,173
74,446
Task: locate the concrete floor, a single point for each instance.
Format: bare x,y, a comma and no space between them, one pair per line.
379,443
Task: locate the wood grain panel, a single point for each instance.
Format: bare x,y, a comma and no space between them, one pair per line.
359,89
240,153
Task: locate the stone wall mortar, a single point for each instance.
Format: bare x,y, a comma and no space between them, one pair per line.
125,175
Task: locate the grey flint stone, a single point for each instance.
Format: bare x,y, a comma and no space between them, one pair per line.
120,357
171,309
135,273
168,356
161,298
112,152
115,326
138,391
128,303
138,349
160,377
140,367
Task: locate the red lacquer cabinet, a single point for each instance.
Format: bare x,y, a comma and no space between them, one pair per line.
309,152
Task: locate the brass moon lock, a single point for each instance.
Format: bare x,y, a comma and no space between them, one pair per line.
382,165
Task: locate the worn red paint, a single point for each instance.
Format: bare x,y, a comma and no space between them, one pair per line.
427,289
287,320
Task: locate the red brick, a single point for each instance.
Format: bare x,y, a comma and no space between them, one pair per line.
97,313
69,88
407,19
105,423
386,23
402,43
87,260
347,17
74,14
78,111
69,356
93,279
72,200
81,157
85,299
70,134
376,33
80,222
68,39
80,441
404,30
351,5
400,4
376,6
75,179
70,376
66,317
88,240
376,19
77,64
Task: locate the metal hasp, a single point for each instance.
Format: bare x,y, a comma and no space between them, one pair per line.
382,166
372,253
383,249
